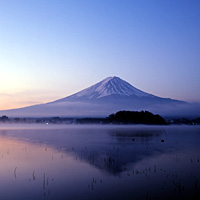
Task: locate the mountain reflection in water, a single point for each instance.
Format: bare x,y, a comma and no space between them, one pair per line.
109,148
142,162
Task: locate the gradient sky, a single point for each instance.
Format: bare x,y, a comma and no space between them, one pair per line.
50,49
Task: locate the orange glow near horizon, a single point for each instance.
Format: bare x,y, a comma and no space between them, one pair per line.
23,99
13,102
12,105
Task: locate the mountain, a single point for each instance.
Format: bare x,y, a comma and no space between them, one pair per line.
107,87
115,90
107,96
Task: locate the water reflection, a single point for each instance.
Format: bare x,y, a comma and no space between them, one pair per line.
100,162
110,149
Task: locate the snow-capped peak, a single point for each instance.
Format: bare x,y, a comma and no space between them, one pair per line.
110,86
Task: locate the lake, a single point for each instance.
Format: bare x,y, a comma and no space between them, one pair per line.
99,162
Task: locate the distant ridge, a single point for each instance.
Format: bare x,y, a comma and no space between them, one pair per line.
107,96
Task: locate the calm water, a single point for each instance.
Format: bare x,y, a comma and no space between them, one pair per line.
99,162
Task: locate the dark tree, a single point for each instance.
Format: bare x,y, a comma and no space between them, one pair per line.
134,117
4,118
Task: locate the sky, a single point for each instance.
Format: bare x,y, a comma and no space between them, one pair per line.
50,49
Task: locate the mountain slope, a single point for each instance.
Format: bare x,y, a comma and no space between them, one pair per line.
107,96
107,87
114,90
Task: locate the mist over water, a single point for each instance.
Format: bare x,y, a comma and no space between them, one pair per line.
85,109
99,162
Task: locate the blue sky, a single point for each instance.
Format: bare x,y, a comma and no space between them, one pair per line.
50,49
